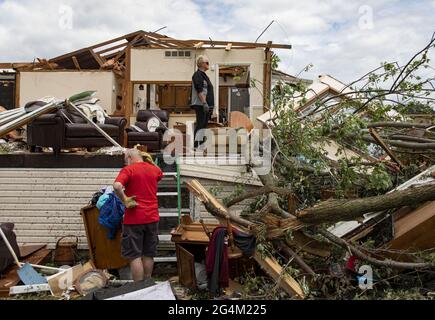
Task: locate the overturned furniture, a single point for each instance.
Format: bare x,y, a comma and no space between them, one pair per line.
104,253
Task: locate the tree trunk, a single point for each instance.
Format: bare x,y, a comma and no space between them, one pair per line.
347,210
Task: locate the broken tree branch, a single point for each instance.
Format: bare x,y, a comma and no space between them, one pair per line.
361,255
214,207
230,201
293,255
347,210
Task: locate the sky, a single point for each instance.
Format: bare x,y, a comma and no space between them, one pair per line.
341,38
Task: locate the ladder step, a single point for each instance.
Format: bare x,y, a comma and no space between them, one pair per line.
167,194
170,174
168,214
165,237
171,212
165,259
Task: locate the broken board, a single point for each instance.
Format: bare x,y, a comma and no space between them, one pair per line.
286,282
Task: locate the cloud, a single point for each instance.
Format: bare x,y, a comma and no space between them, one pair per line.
342,38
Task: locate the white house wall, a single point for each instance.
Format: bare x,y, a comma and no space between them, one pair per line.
38,84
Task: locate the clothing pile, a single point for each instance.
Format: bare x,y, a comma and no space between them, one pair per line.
88,104
217,261
111,210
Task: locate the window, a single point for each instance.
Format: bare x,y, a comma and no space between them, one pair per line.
178,54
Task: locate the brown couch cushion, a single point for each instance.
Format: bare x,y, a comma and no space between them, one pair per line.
87,130
144,136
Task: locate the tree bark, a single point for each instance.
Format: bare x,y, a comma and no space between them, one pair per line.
393,124
347,210
401,144
381,263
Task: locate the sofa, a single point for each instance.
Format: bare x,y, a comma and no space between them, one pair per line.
65,129
151,130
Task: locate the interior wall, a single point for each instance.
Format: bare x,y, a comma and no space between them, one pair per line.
153,65
38,84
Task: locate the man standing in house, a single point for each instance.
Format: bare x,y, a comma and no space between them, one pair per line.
136,186
202,99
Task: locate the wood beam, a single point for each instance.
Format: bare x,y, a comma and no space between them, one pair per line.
17,89
13,65
285,281
112,48
267,78
101,44
238,43
97,57
128,90
76,63
384,146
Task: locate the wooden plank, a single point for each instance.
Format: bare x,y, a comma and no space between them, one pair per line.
104,253
17,89
384,146
186,267
10,277
97,57
76,63
267,79
286,282
239,43
128,90
121,45
26,251
101,44
415,231
29,289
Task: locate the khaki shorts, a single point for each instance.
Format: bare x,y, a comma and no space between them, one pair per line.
139,240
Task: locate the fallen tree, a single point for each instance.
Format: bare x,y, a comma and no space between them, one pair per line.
350,209
314,184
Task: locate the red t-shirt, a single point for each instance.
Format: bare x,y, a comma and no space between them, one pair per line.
140,180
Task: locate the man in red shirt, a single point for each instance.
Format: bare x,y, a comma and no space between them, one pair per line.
136,186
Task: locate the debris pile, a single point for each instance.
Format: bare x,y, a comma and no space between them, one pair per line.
348,209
